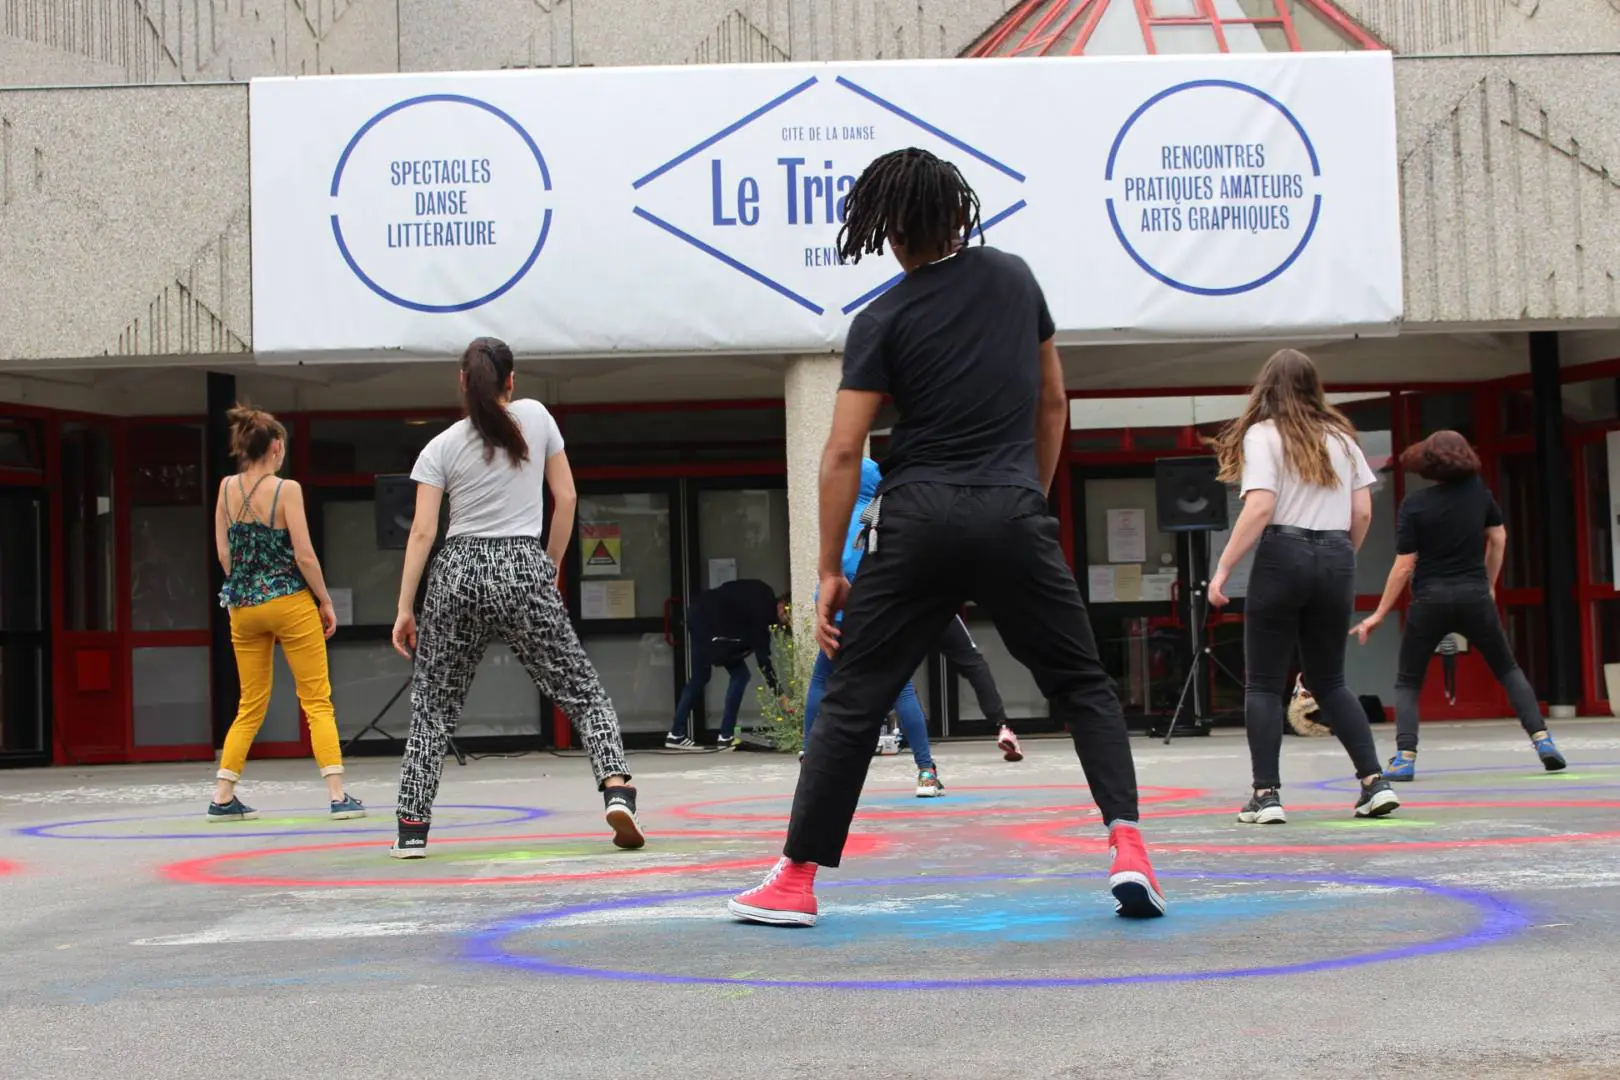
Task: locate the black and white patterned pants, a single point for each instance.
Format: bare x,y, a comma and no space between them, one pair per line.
479,589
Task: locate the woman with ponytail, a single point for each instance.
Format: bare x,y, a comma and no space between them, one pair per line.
275,592
493,578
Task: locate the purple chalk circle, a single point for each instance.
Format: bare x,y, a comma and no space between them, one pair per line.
1494,919
1543,781
55,830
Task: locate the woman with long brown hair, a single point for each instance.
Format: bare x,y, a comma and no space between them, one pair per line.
1449,546
1307,504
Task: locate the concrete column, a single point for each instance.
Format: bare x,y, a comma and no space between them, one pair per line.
812,383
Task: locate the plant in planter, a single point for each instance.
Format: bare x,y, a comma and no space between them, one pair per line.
794,657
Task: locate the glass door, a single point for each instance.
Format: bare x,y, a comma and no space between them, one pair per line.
24,632
363,579
738,530
624,581
643,551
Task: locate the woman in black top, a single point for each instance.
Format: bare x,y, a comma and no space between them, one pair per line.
1449,544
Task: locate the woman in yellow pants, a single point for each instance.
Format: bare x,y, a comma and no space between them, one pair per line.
275,592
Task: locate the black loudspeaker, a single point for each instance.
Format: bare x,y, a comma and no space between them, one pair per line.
395,499
1190,497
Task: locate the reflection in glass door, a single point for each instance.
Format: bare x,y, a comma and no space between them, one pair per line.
623,578
24,635
741,532
366,671
643,551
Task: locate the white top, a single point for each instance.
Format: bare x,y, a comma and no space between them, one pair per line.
491,498
1302,505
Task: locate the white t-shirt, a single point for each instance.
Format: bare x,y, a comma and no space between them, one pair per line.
491,498
1302,505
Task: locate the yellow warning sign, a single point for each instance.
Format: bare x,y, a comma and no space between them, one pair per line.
600,551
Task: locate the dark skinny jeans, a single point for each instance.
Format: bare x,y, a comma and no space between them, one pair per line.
1301,596
1463,606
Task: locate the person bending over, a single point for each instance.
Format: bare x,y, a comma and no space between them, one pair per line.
964,345
1449,545
725,625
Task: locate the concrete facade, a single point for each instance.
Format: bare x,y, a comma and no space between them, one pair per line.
136,195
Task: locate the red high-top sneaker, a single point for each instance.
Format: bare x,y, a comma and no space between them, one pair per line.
785,898
1136,891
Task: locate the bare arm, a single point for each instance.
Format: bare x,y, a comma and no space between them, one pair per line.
1495,553
424,530
1258,508
292,501
222,530
1400,575
853,413
564,500
1051,415
1360,516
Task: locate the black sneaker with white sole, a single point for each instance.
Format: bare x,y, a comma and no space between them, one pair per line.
1263,808
1377,799
412,840
680,742
621,816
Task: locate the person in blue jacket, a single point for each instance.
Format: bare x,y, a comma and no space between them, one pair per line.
913,724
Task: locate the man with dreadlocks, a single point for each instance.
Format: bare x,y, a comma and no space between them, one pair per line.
963,344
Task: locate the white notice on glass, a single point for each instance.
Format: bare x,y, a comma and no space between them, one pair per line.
1127,536
342,605
607,599
1156,587
1100,582
721,571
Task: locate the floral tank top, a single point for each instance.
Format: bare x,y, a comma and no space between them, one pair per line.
263,567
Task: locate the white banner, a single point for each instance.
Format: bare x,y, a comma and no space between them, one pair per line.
695,209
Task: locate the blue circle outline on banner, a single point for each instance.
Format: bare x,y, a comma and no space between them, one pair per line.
1202,290
1497,918
467,305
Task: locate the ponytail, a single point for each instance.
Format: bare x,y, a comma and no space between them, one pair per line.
485,368
252,432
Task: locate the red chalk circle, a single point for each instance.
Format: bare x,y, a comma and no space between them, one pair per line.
7,867
1045,832
700,811
205,871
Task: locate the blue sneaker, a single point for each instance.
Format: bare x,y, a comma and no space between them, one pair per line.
235,810
1403,766
1551,759
347,807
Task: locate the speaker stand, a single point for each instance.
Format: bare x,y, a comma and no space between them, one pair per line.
375,724
1195,586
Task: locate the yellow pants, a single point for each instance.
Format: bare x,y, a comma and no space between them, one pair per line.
296,623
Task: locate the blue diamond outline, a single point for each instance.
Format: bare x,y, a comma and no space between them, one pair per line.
781,99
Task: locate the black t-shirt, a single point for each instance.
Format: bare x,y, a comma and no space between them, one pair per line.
956,344
742,613
1444,526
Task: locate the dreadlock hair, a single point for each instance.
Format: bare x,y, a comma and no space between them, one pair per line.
912,198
